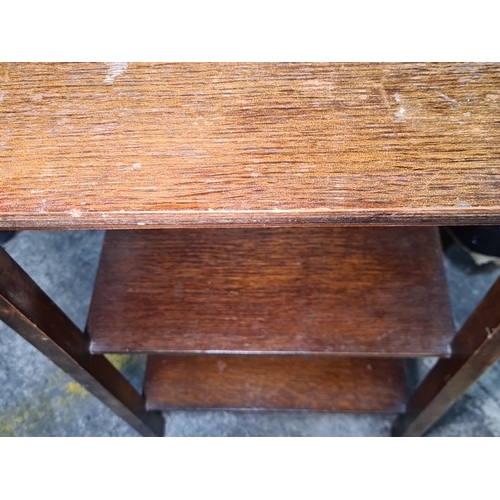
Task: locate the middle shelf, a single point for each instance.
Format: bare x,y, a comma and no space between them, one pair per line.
371,291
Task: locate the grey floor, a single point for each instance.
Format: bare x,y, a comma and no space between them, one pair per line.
38,399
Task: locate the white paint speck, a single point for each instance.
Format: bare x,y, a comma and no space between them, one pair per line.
114,70
75,213
397,96
467,115
444,97
141,223
400,114
463,204
135,166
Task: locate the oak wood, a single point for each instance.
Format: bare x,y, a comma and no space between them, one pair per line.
32,314
361,291
475,348
95,145
275,382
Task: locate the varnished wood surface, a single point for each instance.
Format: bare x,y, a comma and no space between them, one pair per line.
169,145
475,348
33,315
270,382
368,291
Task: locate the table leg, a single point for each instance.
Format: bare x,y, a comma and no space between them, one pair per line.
474,349
26,308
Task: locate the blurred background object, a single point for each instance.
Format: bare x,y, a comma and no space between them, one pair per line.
5,236
482,243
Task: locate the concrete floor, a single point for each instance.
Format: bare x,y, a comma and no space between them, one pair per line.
38,399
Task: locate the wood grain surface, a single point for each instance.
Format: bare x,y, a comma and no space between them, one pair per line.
275,382
118,145
368,291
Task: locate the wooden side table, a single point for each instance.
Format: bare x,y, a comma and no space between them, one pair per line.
245,253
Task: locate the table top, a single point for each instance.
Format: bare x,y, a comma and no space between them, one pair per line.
117,145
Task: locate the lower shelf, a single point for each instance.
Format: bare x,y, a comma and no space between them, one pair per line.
238,382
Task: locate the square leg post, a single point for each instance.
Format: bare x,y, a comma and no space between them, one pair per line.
26,308
474,349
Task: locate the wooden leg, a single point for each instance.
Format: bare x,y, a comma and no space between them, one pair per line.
475,348
31,313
